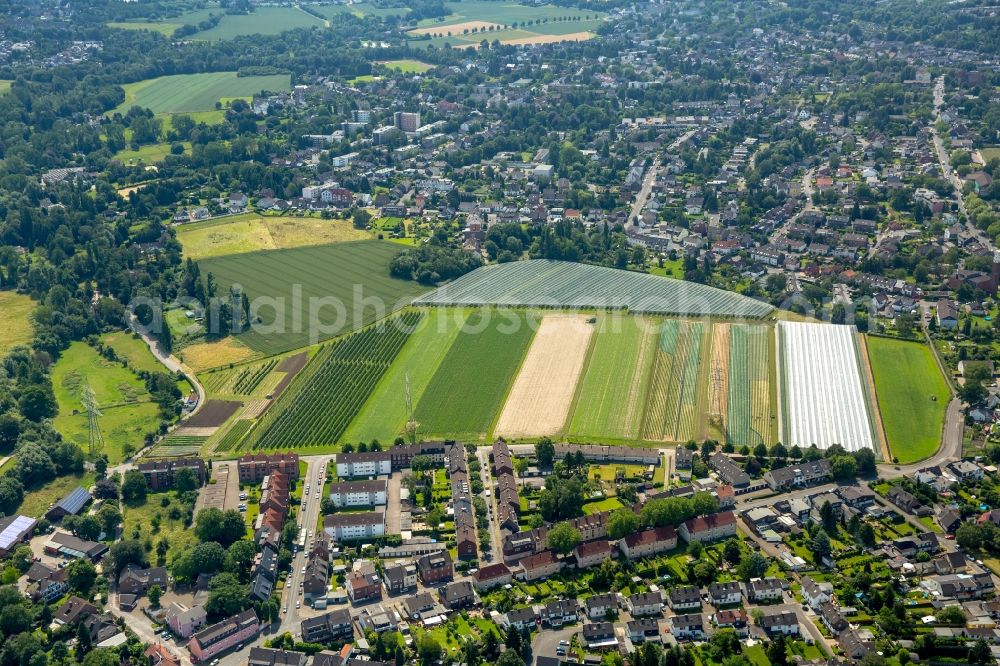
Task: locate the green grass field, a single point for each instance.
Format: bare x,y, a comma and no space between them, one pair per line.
149,154
15,315
912,396
329,280
5,85
248,233
262,21
37,502
185,93
408,66
127,413
466,393
165,28
134,350
612,393
384,415
991,153
151,522
360,10
521,23
504,12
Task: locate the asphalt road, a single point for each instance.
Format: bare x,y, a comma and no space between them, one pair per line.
486,474
315,476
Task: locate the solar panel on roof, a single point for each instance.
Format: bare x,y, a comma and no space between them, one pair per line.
13,532
73,502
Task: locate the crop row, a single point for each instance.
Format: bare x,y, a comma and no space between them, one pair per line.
749,397
248,380
671,411
319,406
232,438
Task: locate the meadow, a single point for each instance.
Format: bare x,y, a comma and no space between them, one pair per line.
359,9
182,93
150,153
36,502
165,28
249,233
127,412
354,275
202,356
612,392
262,21
317,409
5,85
407,66
134,350
384,416
467,391
912,396
15,315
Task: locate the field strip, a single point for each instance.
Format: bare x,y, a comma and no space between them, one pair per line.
543,391
866,368
194,431
458,29
550,39
718,377
587,366
636,398
701,409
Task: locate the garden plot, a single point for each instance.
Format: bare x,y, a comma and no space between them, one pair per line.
825,402
542,394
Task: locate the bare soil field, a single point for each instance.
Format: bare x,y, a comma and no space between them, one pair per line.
214,413
543,391
551,39
196,431
456,29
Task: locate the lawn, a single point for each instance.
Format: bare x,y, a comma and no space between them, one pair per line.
612,393
407,66
313,293
262,21
184,93
15,313
149,154
151,522
126,411
912,396
607,504
990,153
37,502
250,233
384,415
465,395
134,350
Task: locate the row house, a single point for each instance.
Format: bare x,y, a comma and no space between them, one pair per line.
591,553
540,565
363,584
705,529
798,475
183,621
358,493
491,576
253,467
684,598
333,626
648,543
223,635
729,471
466,545
400,578
645,603
315,584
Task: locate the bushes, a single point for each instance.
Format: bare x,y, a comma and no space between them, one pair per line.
431,264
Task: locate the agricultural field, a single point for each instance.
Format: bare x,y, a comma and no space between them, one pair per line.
407,66
912,396
468,389
127,412
359,9
747,404
183,93
317,409
321,291
262,21
165,28
16,327
542,393
250,233
562,284
612,392
208,355
177,444
384,416
672,406
824,395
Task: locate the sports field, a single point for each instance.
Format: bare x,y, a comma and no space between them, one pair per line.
466,392
250,232
912,396
612,393
542,393
127,413
313,293
15,320
182,93
384,416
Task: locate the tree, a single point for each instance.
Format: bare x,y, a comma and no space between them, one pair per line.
11,494
110,518
622,523
731,551
829,517
124,553
214,524
843,467
185,479
724,643
81,574
134,487
545,452
428,649
753,566
510,658
776,651
980,653
361,218
87,527
226,596
563,538
240,556
820,544
154,593
102,656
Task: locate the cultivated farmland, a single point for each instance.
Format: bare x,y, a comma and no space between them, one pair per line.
912,396
612,393
542,394
261,21
748,403
250,233
317,292
569,285
384,415
468,389
332,389
672,404
825,401
182,93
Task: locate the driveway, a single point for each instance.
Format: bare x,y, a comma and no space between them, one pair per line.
392,507
545,642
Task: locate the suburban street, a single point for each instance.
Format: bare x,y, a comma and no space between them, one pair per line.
486,473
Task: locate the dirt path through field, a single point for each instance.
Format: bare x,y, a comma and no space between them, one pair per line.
543,391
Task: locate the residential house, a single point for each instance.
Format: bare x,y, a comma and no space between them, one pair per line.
705,529
333,626
354,526
643,629
645,603
366,463
521,618
601,606
540,565
798,475
729,471
688,627
261,656
435,568
459,594
400,578
185,621
725,594
786,623
816,593
223,635
492,575
832,618
684,598
648,543
592,553
358,493
735,619
159,472
560,612
765,590
136,580
363,585
253,467
599,636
